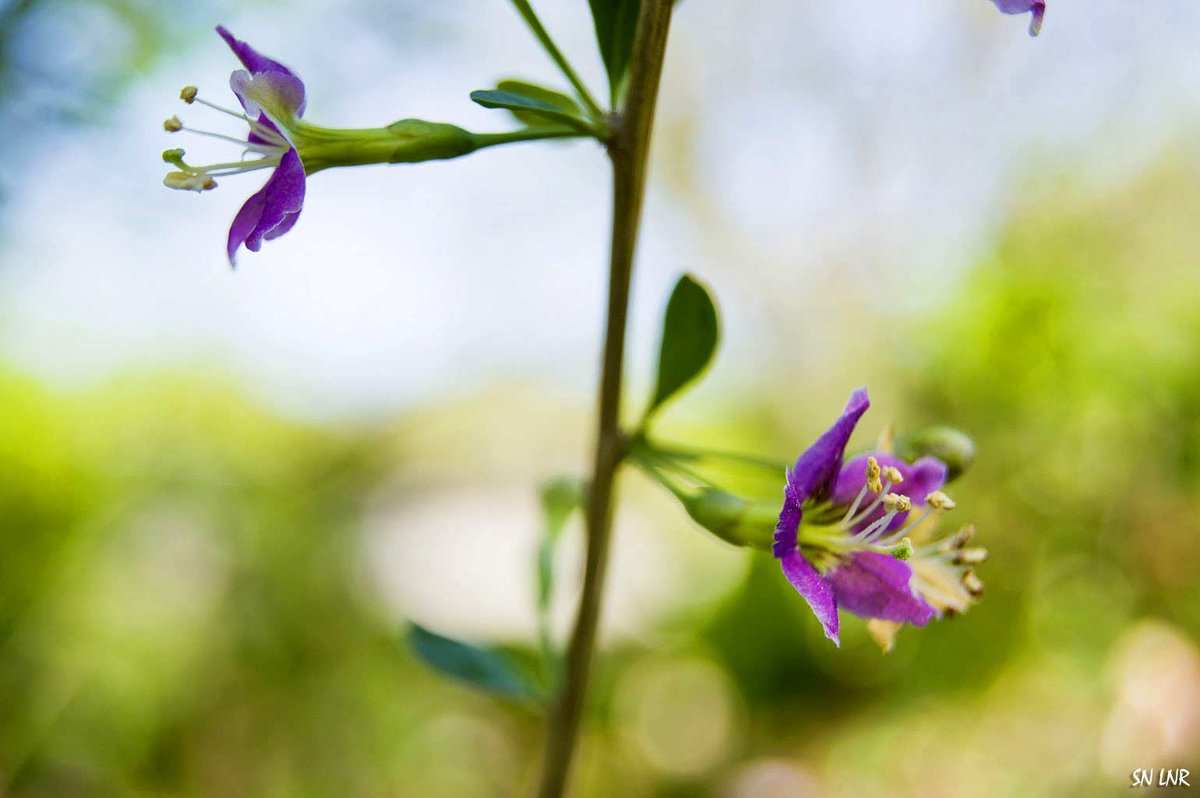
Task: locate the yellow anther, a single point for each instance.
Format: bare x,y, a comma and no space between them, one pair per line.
893,475
873,471
970,556
188,95
972,583
189,181
940,501
897,502
173,125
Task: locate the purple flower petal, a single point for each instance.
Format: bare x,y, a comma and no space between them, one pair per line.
814,473
259,64
816,591
251,58
1037,8
873,585
273,90
273,210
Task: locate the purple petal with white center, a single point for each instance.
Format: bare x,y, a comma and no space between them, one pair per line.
273,210
259,64
816,591
814,473
283,94
920,479
873,585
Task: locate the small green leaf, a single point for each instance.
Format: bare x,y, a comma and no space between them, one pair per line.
486,668
560,498
543,95
689,339
616,25
540,110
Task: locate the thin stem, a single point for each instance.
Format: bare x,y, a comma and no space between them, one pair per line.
628,150
529,134
535,25
689,453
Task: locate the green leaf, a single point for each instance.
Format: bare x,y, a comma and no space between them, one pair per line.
486,668
689,339
616,24
560,498
540,94
539,110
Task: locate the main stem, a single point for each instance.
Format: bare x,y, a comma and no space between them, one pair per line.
628,150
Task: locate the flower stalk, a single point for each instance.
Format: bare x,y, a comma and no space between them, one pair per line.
628,150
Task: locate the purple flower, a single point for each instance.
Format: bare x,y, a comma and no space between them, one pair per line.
273,100
272,210
1035,7
845,538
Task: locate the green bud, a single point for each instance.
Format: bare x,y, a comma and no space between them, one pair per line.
406,141
953,447
732,518
418,140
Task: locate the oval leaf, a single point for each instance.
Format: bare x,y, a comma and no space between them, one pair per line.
549,97
538,109
485,668
689,339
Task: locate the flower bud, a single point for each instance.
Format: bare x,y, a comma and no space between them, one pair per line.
732,518
953,447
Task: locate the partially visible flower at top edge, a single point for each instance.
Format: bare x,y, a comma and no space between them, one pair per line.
273,99
1037,9
845,538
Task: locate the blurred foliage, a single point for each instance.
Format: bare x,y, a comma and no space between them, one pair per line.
183,608
62,62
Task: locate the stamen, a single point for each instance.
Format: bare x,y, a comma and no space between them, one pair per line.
189,181
935,501
940,501
188,94
854,506
873,471
237,167
870,508
972,583
952,543
260,130
869,534
250,145
172,125
970,556
893,475
897,502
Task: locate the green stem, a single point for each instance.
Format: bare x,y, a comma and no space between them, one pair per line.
529,134
535,25
628,150
689,453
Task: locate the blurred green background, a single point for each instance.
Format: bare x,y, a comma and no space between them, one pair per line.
203,592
